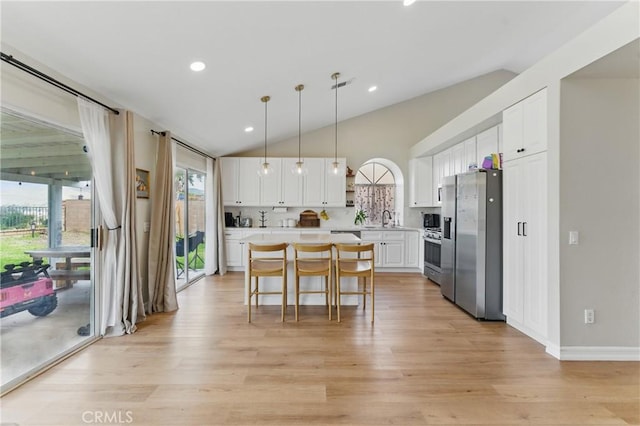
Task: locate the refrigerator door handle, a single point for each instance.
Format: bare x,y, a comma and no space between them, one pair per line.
524,230
519,233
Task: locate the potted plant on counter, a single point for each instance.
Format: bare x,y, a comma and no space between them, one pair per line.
361,217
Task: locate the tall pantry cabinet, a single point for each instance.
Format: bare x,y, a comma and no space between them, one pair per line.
525,216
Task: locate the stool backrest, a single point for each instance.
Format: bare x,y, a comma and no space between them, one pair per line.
312,248
265,248
364,251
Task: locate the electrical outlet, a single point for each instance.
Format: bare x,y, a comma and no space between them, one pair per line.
589,316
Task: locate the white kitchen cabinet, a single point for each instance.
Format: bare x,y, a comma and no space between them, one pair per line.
457,159
469,153
389,247
486,144
412,243
234,248
240,181
441,163
281,187
420,182
322,187
524,127
525,245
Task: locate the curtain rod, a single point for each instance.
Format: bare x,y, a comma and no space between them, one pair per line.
44,77
183,144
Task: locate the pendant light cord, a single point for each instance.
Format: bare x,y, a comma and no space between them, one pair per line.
265,131
299,121
336,127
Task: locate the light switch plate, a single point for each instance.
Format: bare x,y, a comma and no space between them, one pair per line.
574,238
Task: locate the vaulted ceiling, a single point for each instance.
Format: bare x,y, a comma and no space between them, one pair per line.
137,54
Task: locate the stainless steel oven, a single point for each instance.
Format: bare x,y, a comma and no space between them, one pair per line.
432,249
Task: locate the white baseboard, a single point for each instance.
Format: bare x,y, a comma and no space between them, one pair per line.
596,353
581,353
553,350
528,331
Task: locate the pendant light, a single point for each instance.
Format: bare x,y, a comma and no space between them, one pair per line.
335,164
264,169
299,169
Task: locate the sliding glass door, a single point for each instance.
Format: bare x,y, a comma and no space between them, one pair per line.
46,217
189,225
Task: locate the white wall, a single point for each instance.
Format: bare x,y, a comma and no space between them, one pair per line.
599,197
390,132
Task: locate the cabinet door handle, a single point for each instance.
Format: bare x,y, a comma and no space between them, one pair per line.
440,194
519,233
524,230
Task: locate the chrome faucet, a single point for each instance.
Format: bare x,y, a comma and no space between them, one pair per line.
383,222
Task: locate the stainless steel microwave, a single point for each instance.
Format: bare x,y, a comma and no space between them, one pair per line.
431,220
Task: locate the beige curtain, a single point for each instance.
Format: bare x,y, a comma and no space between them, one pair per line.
111,152
130,292
162,279
219,209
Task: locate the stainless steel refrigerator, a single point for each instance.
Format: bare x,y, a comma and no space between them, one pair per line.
472,242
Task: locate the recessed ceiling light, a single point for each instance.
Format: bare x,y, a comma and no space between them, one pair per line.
198,66
408,2
248,129
373,88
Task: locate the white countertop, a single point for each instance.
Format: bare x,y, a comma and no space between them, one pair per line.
325,229
301,237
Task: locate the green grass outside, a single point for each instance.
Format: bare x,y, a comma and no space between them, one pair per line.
198,264
13,246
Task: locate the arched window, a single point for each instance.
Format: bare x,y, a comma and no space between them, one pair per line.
375,191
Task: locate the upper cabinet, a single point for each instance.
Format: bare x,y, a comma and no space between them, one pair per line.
322,187
470,153
524,128
421,182
441,168
242,186
457,159
240,181
282,187
426,189
487,144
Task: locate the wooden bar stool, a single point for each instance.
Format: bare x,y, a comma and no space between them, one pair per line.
355,261
261,266
320,264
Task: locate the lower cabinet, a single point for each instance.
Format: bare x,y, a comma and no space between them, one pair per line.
234,248
389,247
393,249
412,241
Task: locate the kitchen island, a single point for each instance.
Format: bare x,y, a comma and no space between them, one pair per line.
306,283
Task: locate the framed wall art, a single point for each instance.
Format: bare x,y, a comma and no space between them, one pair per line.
142,183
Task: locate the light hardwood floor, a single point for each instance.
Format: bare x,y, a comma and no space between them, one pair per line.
423,362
